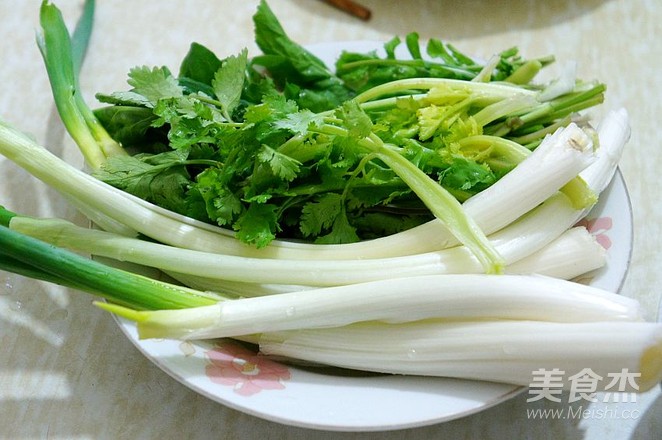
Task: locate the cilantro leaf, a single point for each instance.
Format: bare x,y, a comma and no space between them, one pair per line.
341,232
128,125
355,120
319,215
221,204
282,166
380,224
154,83
124,98
272,108
466,175
257,225
327,213
300,122
228,82
159,179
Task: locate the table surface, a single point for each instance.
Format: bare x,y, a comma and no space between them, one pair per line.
67,372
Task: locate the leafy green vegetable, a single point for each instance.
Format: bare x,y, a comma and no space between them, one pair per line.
154,84
302,76
280,146
199,67
228,83
161,179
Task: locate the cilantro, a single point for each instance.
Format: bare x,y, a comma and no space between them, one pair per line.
300,122
319,215
341,232
276,145
154,83
282,166
228,83
358,123
327,214
222,206
258,225
128,124
467,176
379,224
160,179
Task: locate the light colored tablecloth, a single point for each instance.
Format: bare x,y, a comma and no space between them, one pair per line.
66,371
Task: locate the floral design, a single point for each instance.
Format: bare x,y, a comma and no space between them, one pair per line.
247,372
599,227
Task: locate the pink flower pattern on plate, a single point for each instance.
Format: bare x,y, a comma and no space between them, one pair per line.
598,227
246,372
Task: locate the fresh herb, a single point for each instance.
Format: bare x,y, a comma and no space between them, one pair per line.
286,159
279,146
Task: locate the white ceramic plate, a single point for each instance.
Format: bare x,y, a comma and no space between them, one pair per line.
236,377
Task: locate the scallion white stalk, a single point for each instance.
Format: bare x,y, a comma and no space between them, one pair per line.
527,235
391,300
574,253
564,83
236,288
614,132
499,351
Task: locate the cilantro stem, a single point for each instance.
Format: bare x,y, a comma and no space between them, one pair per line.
537,135
466,73
214,102
485,90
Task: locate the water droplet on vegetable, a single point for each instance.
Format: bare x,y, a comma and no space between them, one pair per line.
291,311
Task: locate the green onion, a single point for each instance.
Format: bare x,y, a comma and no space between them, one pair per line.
409,299
500,351
70,269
